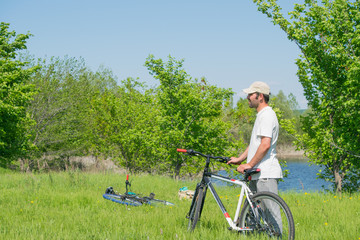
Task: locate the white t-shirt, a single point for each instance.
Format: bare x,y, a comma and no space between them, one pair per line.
266,125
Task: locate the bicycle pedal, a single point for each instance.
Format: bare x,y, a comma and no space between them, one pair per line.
230,228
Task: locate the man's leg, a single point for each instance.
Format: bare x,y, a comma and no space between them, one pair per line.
267,184
272,210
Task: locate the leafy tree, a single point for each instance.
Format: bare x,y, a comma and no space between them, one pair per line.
242,119
61,110
190,113
287,110
15,94
125,127
327,34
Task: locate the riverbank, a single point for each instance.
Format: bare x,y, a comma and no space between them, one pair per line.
289,152
92,164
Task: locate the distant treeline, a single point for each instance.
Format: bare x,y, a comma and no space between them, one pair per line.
77,112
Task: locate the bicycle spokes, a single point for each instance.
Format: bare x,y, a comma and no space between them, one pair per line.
264,217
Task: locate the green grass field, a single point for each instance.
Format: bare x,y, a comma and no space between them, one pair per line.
70,206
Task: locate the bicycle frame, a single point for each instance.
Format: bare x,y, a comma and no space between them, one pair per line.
244,193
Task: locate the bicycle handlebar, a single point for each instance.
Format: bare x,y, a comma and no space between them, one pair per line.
193,153
247,172
181,150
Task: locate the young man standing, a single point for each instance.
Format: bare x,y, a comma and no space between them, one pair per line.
261,152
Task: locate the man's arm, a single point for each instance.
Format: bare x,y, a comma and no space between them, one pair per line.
259,155
240,159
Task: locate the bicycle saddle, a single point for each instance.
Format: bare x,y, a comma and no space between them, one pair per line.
249,172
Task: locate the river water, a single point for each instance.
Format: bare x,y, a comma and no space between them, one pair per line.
302,177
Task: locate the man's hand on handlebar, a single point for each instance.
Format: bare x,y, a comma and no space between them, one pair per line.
234,160
243,167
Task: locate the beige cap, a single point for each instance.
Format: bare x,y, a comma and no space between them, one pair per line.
259,87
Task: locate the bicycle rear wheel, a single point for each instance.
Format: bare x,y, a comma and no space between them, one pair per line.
122,199
271,216
196,207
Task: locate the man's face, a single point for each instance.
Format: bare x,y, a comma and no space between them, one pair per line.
253,99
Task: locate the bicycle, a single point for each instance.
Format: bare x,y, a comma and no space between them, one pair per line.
260,213
133,199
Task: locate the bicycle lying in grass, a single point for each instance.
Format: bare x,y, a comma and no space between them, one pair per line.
132,199
263,213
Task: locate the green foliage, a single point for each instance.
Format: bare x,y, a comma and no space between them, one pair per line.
190,113
329,70
74,112
61,109
243,120
77,113
125,126
15,95
286,108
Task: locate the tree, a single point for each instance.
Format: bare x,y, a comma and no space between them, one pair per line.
327,34
242,119
61,110
15,95
190,114
286,108
125,127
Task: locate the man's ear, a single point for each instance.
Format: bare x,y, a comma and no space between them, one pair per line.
261,97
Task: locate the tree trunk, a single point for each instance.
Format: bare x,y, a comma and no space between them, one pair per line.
338,179
22,165
177,171
38,164
66,161
337,176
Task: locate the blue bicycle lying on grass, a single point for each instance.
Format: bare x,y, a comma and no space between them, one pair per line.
133,199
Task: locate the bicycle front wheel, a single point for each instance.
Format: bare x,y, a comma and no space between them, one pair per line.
196,208
270,216
122,199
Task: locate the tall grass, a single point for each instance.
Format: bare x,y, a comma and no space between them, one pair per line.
70,206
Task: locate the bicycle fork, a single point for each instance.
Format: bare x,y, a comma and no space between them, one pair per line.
192,208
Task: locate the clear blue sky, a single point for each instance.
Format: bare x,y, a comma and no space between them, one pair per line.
229,42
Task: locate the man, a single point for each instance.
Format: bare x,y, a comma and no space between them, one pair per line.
261,152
